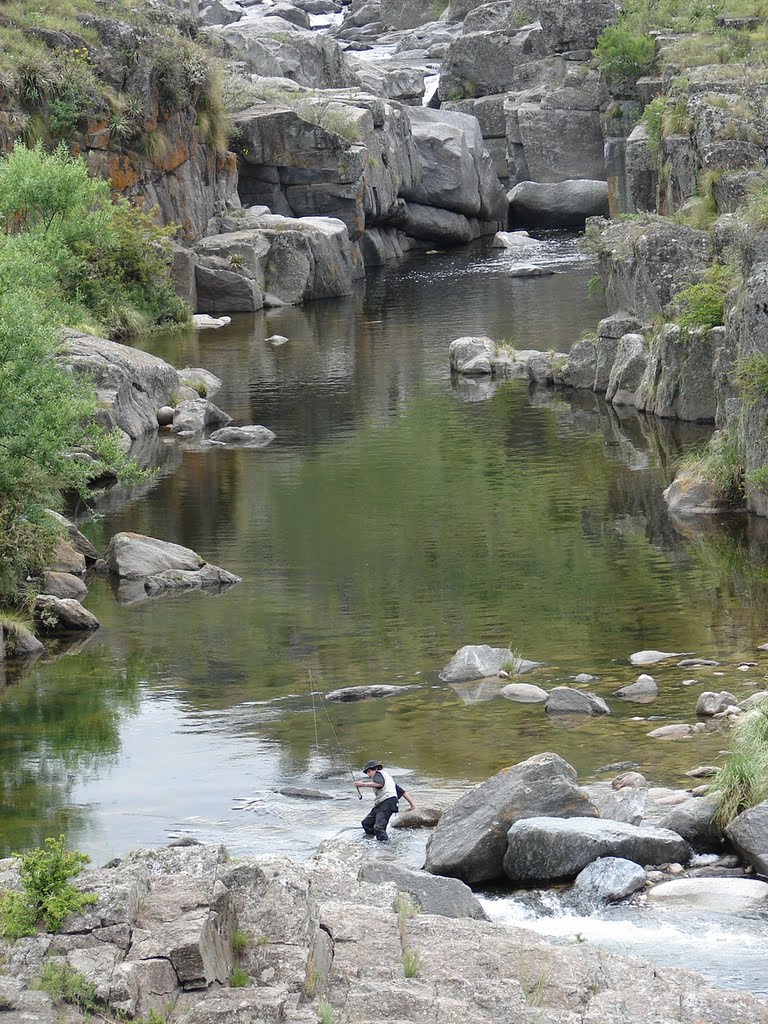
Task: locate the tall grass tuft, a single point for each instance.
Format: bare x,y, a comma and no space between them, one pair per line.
742,782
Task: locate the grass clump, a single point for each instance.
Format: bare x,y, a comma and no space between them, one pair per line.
326,1014
624,52
331,117
241,940
701,305
239,977
411,963
46,894
752,378
66,985
742,782
721,463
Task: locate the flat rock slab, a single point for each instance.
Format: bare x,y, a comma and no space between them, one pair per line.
564,700
528,270
548,849
447,897
254,436
717,895
348,694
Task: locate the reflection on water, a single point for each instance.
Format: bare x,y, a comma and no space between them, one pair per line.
394,519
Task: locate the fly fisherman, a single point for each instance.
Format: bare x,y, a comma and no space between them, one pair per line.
385,797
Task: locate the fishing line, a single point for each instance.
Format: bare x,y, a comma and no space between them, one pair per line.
344,755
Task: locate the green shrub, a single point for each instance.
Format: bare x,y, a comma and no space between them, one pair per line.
46,893
752,378
624,52
742,782
66,985
701,304
241,940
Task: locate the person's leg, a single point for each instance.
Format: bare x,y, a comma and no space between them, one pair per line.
383,814
369,822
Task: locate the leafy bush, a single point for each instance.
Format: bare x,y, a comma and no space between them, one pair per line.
46,894
742,782
624,52
69,256
701,304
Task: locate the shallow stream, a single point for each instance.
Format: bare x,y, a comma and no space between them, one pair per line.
399,515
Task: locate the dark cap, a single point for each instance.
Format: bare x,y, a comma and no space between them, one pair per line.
371,764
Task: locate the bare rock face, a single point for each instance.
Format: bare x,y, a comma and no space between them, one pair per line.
470,840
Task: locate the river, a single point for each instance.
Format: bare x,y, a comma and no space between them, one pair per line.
399,515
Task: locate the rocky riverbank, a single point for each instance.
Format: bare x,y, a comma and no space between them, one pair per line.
330,939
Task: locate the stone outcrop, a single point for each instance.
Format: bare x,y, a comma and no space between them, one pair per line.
159,938
62,615
748,833
470,840
561,204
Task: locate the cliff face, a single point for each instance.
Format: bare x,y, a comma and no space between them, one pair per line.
133,92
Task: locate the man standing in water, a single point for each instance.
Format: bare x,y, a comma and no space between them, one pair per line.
385,797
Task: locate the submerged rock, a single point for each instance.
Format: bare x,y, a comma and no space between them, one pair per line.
564,700
348,694
524,693
651,657
242,437
642,689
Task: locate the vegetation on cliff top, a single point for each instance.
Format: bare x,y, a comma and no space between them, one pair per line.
70,256
104,73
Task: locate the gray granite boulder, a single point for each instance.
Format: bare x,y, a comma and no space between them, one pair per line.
351,694
627,370
470,841
564,700
607,880
447,897
63,615
524,693
133,556
195,414
63,584
557,204
476,661
546,849
710,704
748,833
695,821
207,577
473,356
643,688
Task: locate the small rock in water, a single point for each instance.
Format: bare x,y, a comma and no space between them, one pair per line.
762,647
584,677
690,682
721,895
276,340
305,794
618,766
696,662
633,780
202,320
671,732
704,771
651,657
165,415
528,270
354,693
746,666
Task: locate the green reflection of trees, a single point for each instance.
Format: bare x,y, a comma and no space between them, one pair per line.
59,723
381,553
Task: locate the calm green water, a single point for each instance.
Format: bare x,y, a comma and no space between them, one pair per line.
398,516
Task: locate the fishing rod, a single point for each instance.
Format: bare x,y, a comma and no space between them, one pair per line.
345,756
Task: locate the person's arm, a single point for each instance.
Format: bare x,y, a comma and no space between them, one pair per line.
376,782
401,793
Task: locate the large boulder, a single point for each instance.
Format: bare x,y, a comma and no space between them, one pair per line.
695,821
572,25
679,377
547,849
627,370
400,14
130,385
457,172
486,63
274,47
132,556
253,436
476,661
565,700
473,356
748,832
63,615
557,204
63,584
470,840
